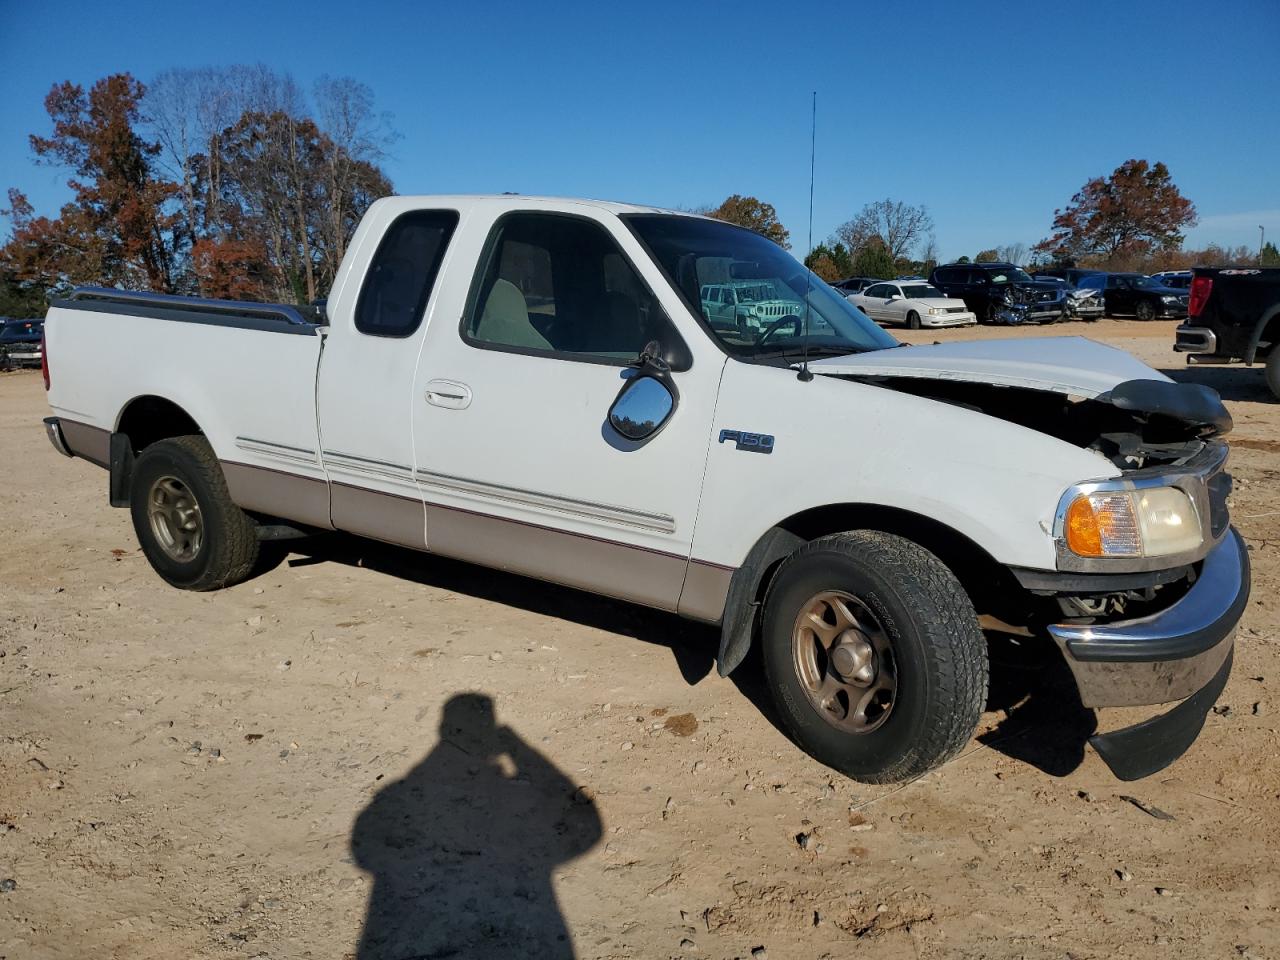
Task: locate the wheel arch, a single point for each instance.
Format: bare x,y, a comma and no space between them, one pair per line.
984,579
1266,329
148,418
144,420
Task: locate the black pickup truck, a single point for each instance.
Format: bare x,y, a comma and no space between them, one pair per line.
1234,314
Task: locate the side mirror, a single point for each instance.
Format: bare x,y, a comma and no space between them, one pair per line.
895,296
642,408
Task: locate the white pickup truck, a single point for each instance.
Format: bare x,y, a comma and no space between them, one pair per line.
533,385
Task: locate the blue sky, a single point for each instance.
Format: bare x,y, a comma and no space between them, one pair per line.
989,117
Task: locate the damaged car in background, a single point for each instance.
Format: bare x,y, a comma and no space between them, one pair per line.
1083,289
1001,293
854,508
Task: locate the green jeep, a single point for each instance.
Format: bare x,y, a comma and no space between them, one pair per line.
747,306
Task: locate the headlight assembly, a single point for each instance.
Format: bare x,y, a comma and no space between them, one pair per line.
1151,522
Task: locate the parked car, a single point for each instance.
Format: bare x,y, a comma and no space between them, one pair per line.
20,343
849,505
1234,314
1001,292
746,305
1084,299
1177,279
912,304
854,285
1137,295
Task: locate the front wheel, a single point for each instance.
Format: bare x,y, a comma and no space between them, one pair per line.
873,656
192,533
1146,311
913,321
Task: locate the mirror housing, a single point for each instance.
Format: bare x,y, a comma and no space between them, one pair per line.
642,408
648,398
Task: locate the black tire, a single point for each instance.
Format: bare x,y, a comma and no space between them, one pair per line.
1273,372
1145,310
937,653
913,321
227,545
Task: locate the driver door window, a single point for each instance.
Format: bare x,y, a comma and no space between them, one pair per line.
560,286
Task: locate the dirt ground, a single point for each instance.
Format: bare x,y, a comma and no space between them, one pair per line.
367,752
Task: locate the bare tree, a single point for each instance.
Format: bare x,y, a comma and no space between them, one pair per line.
360,138
1013,253
898,225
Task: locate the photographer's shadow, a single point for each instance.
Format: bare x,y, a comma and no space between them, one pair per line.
463,849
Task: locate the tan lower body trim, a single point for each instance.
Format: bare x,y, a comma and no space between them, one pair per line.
382,516
90,443
667,581
289,496
600,566
706,587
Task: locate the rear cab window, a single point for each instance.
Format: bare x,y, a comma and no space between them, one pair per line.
403,272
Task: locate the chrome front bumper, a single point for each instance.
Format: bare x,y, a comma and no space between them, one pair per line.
1181,653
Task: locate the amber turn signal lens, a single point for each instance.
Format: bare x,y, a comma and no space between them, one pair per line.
1083,536
1103,525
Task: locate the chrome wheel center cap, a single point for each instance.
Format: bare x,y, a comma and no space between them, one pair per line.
853,658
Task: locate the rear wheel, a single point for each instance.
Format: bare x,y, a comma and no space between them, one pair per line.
913,321
1273,372
873,656
1146,311
192,533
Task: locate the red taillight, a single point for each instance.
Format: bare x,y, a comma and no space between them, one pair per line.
1201,287
44,359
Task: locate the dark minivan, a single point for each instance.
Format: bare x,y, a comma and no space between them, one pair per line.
1001,292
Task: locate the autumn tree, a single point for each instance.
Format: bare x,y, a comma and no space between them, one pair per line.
754,215
898,226
1136,211
987,256
272,189
119,227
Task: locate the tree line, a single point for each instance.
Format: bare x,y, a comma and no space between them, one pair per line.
219,182
232,182
1131,220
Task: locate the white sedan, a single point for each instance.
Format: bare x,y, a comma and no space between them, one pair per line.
914,304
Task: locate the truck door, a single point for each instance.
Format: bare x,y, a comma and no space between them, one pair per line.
366,390
517,462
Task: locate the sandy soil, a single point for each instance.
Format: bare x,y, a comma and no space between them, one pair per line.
366,752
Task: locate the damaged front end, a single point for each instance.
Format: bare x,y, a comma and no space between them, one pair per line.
1150,624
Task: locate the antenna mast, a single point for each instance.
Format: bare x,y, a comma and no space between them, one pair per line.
805,375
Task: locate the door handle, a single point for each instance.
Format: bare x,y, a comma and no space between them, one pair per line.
448,394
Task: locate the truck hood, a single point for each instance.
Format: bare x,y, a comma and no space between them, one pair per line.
1076,389
1075,366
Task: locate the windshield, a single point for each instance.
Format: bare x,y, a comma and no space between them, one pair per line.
921,291
20,331
1011,276
1146,283
772,322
